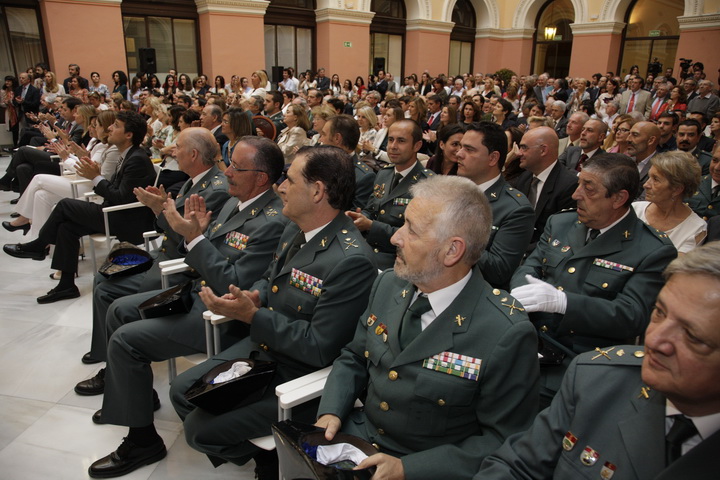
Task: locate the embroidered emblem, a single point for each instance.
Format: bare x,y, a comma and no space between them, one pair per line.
271,212
603,353
513,307
351,243
306,283
569,441
463,366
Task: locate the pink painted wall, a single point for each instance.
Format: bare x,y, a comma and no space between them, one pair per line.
347,62
426,51
493,54
486,51
223,53
700,46
96,45
594,53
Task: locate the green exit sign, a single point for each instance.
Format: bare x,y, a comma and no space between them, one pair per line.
654,33
347,44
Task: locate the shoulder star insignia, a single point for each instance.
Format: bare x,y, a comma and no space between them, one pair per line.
459,320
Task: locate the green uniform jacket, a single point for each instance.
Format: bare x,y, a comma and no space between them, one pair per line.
364,181
312,302
610,283
387,210
602,405
441,425
512,227
702,202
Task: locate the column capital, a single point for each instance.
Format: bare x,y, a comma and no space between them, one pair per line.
242,7
429,25
698,22
597,28
504,33
343,16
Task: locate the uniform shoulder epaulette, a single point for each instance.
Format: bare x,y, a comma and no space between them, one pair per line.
566,210
658,233
427,172
271,211
219,181
363,167
508,305
389,165
516,194
621,355
348,240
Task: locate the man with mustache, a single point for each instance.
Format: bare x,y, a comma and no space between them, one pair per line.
688,140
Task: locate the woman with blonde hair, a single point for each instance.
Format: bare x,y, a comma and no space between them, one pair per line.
673,176
293,136
321,114
367,120
51,89
418,112
258,79
617,141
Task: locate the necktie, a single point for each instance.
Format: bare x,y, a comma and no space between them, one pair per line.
593,235
411,324
631,104
682,429
395,181
656,107
298,242
715,191
119,164
532,195
583,159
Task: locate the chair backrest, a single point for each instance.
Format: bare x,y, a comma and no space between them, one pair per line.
158,169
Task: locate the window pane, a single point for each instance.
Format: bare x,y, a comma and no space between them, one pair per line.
394,64
465,57
647,16
24,37
135,38
286,46
304,49
665,51
379,52
269,47
559,14
454,64
637,52
161,39
6,66
185,47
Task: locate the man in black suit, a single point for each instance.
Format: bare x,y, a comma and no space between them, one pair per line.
382,85
323,82
74,71
27,99
211,118
435,104
546,182
592,137
73,218
557,112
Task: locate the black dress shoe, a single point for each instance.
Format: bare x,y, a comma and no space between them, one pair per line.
14,201
11,228
5,187
97,416
127,458
56,295
20,251
87,359
92,386
14,215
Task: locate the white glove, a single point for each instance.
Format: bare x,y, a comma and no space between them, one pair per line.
539,296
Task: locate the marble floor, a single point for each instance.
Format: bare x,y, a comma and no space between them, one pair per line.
46,431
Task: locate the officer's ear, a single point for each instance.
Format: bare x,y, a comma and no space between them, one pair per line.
454,251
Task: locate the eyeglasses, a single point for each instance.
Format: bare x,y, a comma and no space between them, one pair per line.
623,130
232,166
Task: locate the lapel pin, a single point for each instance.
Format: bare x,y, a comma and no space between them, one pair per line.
459,320
644,392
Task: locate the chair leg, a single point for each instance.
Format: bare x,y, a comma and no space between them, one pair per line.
92,254
172,370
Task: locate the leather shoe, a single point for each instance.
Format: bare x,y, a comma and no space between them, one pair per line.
87,359
14,201
11,228
127,458
19,251
14,215
92,386
5,187
55,295
97,416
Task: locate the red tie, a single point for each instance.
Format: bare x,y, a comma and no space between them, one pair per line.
631,104
658,104
583,159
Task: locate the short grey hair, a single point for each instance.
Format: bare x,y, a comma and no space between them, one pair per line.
703,260
375,94
465,211
680,168
559,103
258,101
204,142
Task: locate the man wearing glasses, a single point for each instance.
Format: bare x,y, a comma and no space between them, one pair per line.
235,249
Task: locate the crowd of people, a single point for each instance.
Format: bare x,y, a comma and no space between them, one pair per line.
546,232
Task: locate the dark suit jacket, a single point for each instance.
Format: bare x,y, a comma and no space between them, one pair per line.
436,122
323,83
555,196
560,127
571,156
31,102
136,171
220,137
602,405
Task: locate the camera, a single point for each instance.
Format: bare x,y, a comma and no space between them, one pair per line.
685,64
655,67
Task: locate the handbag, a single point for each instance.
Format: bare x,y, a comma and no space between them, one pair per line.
125,259
172,301
295,440
235,393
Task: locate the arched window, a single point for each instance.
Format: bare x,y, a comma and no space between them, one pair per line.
652,32
21,40
387,37
553,38
462,38
170,27
290,34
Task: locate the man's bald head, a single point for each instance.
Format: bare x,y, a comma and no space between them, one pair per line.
643,140
538,149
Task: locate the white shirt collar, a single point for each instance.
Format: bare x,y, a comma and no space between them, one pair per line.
309,235
441,299
706,425
542,176
603,230
197,178
406,171
243,205
488,184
